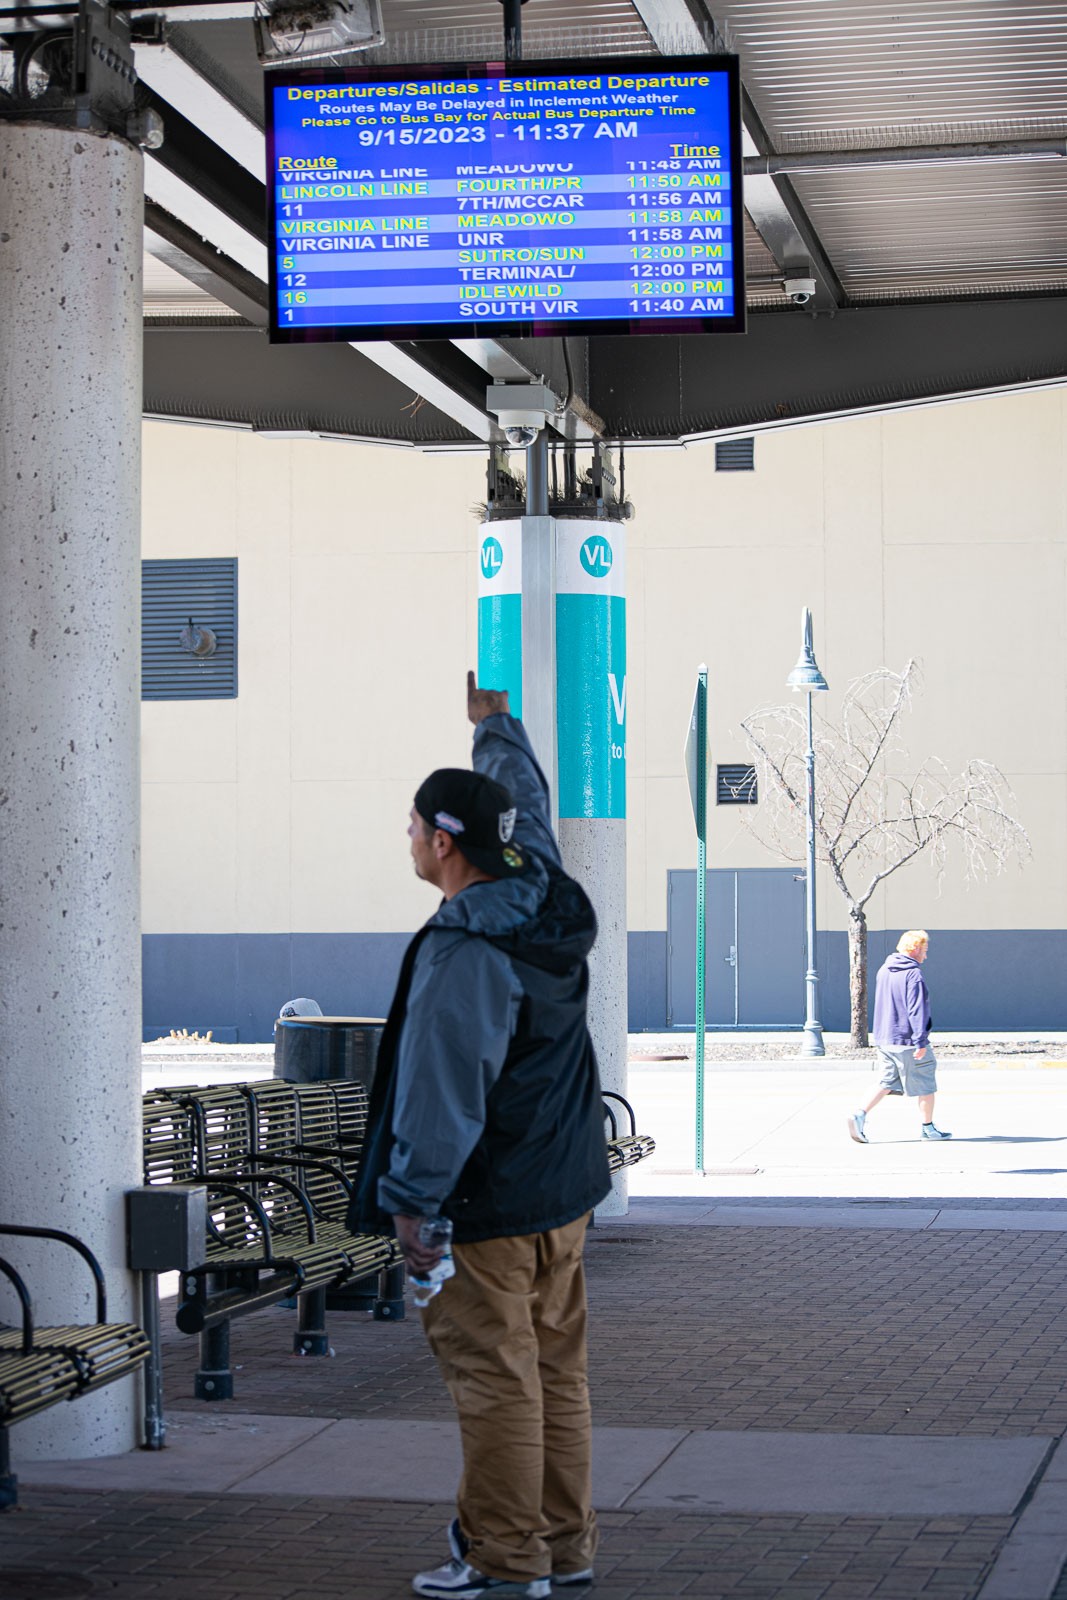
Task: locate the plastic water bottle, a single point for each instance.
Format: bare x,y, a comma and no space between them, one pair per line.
434,1231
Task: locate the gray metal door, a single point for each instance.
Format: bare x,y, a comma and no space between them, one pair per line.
754,962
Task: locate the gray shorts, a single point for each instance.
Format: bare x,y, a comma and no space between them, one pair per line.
902,1074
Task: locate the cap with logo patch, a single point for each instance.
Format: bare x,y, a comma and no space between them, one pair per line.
478,812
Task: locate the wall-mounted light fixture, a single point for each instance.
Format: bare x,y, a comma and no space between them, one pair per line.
199,642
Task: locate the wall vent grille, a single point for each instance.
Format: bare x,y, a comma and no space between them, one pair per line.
735,455
735,785
171,593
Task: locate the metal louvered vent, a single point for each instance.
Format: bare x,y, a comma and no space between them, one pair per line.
172,594
735,785
735,455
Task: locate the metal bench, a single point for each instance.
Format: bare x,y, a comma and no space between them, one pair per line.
627,1149
39,1367
276,1208
279,1161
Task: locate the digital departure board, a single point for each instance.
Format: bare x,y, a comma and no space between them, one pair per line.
523,200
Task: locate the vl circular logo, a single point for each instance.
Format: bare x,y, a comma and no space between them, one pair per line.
596,556
492,557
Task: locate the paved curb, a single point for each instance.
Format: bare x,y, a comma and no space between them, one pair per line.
701,1214
1035,1552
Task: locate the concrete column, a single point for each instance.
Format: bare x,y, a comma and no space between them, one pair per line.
591,700
552,621
70,957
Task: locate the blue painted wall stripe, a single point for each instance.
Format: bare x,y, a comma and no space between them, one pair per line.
237,983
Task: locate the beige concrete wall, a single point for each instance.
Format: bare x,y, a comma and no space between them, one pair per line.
938,533
285,809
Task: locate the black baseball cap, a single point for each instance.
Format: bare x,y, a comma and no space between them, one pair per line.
478,812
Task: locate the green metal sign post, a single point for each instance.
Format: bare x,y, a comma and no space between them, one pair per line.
696,766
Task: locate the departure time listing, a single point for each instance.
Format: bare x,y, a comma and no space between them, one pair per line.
497,201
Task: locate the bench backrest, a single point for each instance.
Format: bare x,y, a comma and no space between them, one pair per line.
194,1132
169,1144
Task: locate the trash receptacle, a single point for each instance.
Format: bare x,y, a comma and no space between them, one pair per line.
309,1049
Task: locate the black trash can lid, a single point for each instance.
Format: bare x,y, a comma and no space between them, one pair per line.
335,1022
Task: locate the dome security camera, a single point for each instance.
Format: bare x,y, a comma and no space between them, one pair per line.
522,410
521,434
800,290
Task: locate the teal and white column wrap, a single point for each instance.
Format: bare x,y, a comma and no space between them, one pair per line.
591,668
591,710
500,609
588,559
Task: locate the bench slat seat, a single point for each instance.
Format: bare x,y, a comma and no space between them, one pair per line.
628,1149
32,1383
99,1354
41,1366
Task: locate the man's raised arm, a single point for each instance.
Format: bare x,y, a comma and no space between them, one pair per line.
503,751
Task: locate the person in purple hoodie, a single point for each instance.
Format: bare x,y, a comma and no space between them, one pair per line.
902,1035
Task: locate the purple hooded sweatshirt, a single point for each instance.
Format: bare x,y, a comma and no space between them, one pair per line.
901,1003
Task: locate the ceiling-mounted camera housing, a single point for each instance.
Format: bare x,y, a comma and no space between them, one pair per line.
800,290
522,409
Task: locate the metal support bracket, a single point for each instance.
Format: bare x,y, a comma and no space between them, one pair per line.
81,76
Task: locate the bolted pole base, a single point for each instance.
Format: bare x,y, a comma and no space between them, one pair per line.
812,1043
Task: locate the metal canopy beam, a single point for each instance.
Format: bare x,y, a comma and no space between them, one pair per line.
775,208
859,158
793,366
437,372
231,375
183,249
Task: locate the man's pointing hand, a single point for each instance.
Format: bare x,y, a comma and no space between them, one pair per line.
482,703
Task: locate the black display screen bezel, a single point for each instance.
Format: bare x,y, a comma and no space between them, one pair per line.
545,328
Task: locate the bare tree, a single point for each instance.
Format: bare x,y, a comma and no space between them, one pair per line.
870,822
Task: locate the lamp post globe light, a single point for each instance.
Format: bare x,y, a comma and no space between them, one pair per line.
806,679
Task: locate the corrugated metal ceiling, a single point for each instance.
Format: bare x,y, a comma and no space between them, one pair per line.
845,74
881,67
835,74
441,30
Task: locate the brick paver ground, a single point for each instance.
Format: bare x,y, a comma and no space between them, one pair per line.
818,1329
822,1329
147,1547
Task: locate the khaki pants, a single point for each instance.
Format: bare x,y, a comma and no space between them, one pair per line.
508,1332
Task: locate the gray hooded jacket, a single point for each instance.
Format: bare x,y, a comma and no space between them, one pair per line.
492,1097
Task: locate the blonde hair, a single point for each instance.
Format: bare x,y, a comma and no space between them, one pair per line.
913,940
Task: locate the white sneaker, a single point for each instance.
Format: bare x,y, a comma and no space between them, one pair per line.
563,1580
457,1578
856,1125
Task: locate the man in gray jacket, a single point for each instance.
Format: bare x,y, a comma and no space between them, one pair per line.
486,1108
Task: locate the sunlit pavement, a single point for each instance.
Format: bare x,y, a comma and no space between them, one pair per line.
788,1120
1006,1110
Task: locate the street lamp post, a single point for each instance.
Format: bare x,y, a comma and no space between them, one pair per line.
806,679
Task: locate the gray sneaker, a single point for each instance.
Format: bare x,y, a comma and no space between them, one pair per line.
855,1127
459,1547
930,1132
457,1578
